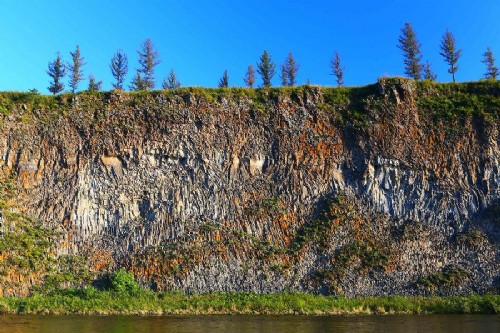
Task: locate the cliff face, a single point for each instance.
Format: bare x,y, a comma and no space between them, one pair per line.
362,191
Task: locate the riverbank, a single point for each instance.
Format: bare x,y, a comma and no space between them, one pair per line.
90,301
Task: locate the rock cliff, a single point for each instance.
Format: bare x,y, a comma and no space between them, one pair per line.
391,188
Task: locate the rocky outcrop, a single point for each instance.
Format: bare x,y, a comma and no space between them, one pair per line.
355,192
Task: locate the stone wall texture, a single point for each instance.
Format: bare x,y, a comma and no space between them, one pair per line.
287,191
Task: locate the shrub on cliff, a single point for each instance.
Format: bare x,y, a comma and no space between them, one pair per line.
124,282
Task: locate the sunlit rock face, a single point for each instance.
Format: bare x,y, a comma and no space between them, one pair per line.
280,190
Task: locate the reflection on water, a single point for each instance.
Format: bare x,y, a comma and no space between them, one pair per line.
254,324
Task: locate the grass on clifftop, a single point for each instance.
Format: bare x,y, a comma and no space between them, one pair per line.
91,301
444,99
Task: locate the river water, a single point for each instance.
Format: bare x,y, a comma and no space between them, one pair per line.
253,324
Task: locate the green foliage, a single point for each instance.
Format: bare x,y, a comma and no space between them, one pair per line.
26,245
249,78
67,271
428,73
75,68
351,105
448,277
56,71
171,83
224,80
337,69
207,227
317,230
289,71
371,256
464,99
148,60
25,242
265,206
266,68
92,301
450,52
137,83
94,85
119,68
124,282
410,46
492,71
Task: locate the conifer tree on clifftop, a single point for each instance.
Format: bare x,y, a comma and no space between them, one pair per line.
249,78
491,70
119,68
428,73
56,71
171,83
337,69
75,68
137,83
148,60
266,68
224,80
93,84
410,46
289,71
283,76
450,52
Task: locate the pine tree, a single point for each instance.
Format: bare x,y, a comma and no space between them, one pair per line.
491,70
337,69
284,76
148,60
171,82
410,46
266,68
119,68
450,53
249,78
289,71
56,71
137,83
428,73
75,68
93,84
224,80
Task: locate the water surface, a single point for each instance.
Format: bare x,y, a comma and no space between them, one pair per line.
254,324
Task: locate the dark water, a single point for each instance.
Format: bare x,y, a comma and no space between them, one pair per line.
254,324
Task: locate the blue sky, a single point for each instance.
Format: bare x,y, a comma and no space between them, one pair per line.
200,39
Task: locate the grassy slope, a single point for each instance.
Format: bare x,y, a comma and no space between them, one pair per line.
445,99
90,301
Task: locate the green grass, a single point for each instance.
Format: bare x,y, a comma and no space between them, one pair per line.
349,104
91,301
460,99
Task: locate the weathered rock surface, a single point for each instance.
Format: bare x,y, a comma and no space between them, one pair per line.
235,193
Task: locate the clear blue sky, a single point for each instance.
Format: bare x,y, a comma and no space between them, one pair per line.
200,39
